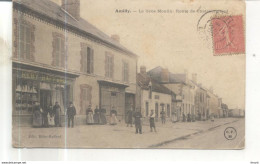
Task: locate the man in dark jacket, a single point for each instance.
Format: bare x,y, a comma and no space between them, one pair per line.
71,112
129,116
138,122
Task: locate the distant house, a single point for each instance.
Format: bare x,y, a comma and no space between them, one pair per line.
153,95
181,86
201,100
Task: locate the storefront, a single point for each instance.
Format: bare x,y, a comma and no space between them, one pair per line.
31,84
112,96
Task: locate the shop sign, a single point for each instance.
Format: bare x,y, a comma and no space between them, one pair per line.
41,77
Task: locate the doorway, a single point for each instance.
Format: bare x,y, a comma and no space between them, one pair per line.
45,98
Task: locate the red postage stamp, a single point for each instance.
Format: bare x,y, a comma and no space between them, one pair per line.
228,35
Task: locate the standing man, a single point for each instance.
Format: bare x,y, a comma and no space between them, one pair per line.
57,111
138,122
151,119
71,112
129,116
163,116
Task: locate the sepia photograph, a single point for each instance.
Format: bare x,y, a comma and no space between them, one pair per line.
132,74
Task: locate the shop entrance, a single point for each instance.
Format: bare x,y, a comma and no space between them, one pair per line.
45,98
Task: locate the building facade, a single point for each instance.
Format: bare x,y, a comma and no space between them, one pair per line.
154,96
60,57
182,87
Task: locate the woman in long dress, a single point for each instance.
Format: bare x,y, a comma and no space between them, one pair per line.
51,116
113,119
37,115
89,113
103,119
96,116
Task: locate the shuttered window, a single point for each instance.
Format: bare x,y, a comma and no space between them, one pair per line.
88,60
109,66
59,52
125,71
24,50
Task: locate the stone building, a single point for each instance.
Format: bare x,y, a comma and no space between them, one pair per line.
201,100
153,96
59,56
181,86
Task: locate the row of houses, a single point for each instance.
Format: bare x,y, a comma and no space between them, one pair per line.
180,97
60,57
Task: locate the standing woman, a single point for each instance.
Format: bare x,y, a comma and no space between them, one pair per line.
37,115
152,123
113,114
96,116
103,119
57,112
51,116
89,113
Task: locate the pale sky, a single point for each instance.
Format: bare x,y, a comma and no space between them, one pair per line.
172,40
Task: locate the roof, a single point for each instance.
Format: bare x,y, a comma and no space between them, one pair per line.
143,80
173,77
53,11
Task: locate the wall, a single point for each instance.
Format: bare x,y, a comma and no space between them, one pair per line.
43,58
163,98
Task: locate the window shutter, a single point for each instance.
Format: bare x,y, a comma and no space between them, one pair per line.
88,59
106,66
62,52
112,67
28,43
92,61
127,72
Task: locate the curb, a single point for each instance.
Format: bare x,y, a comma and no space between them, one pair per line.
188,135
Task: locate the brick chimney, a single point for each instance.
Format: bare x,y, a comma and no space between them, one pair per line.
165,75
143,70
194,78
72,7
116,38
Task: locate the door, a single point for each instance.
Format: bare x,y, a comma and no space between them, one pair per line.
45,98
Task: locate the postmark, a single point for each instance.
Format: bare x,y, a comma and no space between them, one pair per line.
224,32
230,133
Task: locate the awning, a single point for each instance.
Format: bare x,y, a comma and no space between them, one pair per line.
111,83
42,69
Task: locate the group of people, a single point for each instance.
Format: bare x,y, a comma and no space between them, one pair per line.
138,120
51,116
98,118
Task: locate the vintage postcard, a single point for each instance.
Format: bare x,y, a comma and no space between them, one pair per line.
128,74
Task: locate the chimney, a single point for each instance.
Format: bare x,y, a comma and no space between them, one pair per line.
116,38
143,70
165,75
211,89
72,7
194,78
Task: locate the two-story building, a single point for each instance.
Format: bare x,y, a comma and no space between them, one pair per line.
60,57
153,96
201,100
181,86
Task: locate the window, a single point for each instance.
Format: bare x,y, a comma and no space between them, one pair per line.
156,110
168,110
125,72
24,48
109,65
150,92
146,108
87,60
58,50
